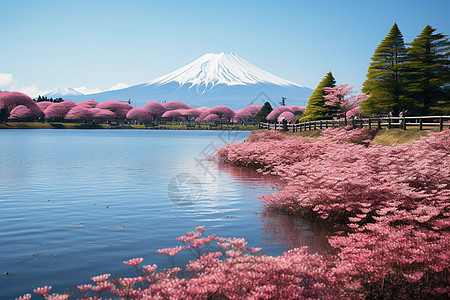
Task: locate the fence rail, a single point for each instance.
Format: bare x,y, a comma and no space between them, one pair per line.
419,122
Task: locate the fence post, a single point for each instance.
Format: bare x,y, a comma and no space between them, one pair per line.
420,123
309,125
379,124
404,123
320,124
370,124
441,124
326,123
389,123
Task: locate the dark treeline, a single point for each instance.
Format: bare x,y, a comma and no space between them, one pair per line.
44,98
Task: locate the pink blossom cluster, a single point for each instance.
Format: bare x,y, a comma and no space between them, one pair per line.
19,106
220,112
288,116
344,99
247,113
273,115
235,273
391,202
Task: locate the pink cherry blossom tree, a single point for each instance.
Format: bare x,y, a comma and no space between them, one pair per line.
68,103
139,114
296,109
173,115
102,115
88,103
9,100
247,113
344,99
57,111
21,112
156,109
79,112
173,105
224,112
273,115
44,104
212,118
120,109
288,116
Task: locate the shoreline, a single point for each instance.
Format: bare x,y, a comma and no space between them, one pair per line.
36,125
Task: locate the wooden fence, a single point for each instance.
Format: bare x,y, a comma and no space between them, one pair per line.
421,122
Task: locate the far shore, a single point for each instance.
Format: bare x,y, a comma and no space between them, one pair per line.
57,125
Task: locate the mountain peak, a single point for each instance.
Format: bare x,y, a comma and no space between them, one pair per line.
220,68
63,93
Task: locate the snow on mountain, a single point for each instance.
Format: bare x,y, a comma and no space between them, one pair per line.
65,93
226,68
212,79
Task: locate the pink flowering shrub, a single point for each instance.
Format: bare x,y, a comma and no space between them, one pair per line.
139,114
288,116
391,202
223,268
20,112
258,135
10,100
120,109
349,135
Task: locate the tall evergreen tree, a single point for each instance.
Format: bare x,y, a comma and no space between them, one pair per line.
428,72
262,114
385,77
316,108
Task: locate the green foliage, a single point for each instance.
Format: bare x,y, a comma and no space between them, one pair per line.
262,114
316,108
386,77
428,72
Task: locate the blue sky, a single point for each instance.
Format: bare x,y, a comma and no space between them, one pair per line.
95,45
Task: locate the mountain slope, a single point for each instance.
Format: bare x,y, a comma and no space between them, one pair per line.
213,79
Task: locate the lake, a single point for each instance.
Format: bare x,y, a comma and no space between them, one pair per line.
76,203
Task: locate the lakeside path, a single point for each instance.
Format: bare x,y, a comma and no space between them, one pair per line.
56,125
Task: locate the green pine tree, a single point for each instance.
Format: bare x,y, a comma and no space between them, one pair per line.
316,108
262,114
428,72
385,77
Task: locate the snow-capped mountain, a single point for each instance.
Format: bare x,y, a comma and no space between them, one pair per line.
65,93
212,79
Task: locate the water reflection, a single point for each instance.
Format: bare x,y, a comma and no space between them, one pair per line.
281,228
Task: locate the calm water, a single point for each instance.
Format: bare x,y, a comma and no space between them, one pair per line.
76,203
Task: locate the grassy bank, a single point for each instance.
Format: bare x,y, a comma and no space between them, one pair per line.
387,137
37,125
